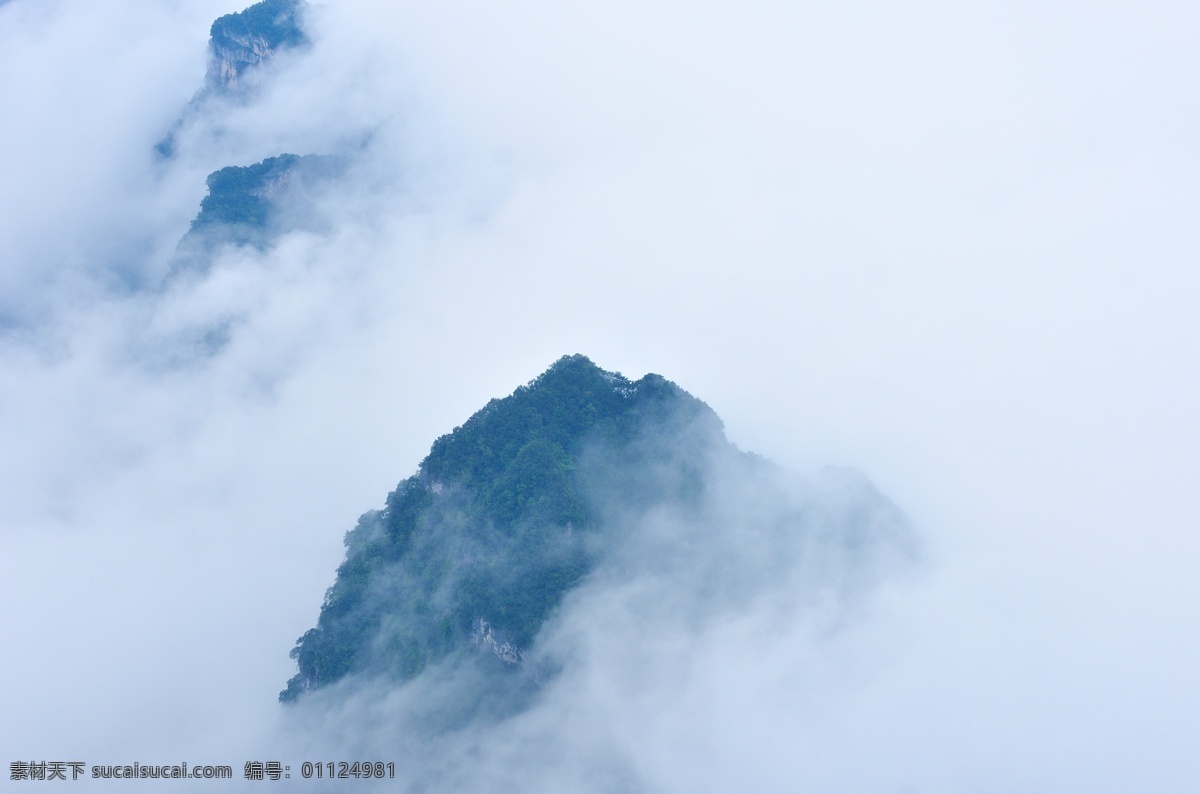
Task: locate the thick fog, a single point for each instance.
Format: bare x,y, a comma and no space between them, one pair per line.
952,247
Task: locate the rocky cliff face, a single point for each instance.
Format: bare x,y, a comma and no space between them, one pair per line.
240,44
250,205
245,40
232,56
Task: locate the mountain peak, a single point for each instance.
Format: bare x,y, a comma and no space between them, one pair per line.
502,519
240,44
246,39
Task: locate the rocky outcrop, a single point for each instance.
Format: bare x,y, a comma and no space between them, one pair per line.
244,41
240,45
233,56
484,638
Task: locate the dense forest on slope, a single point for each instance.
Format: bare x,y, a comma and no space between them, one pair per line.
477,549
579,486
251,205
274,21
248,199
241,195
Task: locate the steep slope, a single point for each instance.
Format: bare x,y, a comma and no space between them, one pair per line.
245,40
251,205
477,548
239,46
474,555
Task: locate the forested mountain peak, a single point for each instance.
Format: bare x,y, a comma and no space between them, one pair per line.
502,518
569,403
254,204
245,39
581,491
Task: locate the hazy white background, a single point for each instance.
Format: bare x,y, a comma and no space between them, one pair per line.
953,245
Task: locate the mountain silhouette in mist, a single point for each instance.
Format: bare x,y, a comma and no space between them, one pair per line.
240,46
245,40
473,556
255,204
473,552
249,204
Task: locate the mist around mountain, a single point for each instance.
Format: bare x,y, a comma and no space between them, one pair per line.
478,575
249,204
954,246
244,40
240,47
253,205
474,571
